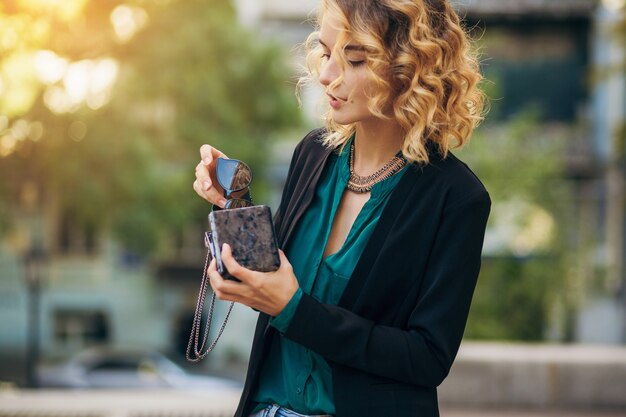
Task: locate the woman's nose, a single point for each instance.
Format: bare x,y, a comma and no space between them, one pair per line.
329,71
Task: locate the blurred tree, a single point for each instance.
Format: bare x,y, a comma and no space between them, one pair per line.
524,274
620,35
106,103
619,166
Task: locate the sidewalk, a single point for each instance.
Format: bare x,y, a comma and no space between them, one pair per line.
487,380
458,412
536,376
120,403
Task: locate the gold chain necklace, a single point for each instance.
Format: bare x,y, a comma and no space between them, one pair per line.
361,185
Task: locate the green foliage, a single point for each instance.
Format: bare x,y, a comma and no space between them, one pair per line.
620,35
190,76
514,157
513,298
524,274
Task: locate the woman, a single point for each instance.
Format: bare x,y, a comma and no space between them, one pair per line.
381,226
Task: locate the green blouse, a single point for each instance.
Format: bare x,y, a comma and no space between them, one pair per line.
292,375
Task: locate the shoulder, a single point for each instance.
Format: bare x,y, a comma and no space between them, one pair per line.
454,181
310,149
308,154
312,141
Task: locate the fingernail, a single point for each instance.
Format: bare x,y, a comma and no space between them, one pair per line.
222,203
206,185
224,246
206,161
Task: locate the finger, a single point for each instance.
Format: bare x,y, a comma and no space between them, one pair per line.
206,168
198,189
212,196
283,258
209,153
203,176
244,274
205,189
215,279
223,289
212,266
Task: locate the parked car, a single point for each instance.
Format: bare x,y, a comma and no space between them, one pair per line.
106,368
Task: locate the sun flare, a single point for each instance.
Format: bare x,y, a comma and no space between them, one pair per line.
64,9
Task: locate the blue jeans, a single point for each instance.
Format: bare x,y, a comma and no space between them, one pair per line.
278,411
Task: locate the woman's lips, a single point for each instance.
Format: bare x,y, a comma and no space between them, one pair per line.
335,102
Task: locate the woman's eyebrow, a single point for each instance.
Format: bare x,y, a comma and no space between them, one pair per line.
359,48
355,48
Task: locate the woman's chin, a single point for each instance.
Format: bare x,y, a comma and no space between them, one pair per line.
341,119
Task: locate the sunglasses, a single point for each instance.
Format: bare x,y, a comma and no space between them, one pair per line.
235,177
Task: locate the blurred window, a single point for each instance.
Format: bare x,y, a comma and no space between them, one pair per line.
538,64
189,242
115,364
74,237
78,329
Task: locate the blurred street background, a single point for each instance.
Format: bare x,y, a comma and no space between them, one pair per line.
103,107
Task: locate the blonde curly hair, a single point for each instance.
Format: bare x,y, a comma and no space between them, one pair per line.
421,56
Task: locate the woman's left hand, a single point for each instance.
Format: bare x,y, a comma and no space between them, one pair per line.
268,292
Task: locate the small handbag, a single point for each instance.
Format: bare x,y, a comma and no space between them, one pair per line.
249,230
250,233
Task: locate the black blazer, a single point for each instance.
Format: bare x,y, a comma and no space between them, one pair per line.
395,332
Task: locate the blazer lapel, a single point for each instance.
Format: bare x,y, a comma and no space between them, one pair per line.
302,197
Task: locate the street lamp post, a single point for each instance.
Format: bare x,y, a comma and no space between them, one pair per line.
34,263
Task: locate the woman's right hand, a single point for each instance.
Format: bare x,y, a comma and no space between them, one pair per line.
206,184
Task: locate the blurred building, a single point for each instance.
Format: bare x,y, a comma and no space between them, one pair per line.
547,56
604,318
91,292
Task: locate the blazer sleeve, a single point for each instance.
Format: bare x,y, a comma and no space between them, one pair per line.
422,352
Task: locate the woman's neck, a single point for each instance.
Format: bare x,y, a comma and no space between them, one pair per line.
375,144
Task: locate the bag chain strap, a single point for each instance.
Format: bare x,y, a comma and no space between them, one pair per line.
194,337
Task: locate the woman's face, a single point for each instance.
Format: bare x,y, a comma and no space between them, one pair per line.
349,99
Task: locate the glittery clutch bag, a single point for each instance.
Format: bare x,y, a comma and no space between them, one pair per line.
250,233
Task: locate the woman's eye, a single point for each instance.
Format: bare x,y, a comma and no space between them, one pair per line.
357,63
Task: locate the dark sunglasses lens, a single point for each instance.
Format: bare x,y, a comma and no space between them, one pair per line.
237,203
233,175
